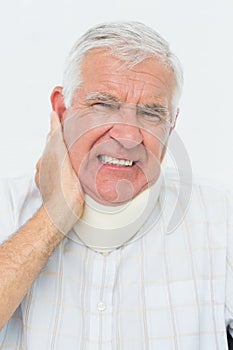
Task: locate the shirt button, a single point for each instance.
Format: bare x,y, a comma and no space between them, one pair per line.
101,306
105,253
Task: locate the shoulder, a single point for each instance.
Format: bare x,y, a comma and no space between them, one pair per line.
207,189
19,199
15,190
196,199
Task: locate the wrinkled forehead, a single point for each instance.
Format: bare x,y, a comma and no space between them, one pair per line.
149,79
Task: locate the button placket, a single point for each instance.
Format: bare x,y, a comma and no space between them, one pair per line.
101,297
101,306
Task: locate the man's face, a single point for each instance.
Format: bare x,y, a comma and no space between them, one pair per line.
112,130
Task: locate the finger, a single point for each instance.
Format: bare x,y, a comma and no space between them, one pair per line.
48,137
37,180
37,175
54,125
54,121
38,165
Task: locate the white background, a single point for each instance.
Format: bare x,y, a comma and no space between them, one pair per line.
35,37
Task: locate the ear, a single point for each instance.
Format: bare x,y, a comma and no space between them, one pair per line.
58,104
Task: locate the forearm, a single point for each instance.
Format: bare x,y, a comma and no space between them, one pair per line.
27,251
22,258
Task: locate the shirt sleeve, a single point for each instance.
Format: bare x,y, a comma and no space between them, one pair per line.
7,222
7,210
20,199
229,266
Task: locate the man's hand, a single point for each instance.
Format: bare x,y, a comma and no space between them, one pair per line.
60,188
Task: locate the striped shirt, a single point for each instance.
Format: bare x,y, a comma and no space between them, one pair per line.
159,291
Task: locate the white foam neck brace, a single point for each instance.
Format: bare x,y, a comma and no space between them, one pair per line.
104,228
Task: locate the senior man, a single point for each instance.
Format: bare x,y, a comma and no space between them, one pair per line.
92,264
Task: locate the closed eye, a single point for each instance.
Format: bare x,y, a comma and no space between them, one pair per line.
149,113
101,106
152,115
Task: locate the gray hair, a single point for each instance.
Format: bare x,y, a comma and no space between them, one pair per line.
131,42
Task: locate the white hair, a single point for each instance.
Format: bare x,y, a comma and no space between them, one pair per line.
131,42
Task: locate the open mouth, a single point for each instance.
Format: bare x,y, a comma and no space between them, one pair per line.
115,161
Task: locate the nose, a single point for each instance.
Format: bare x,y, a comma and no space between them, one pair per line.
126,130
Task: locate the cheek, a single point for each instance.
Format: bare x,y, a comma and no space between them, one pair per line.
76,156
84,125
82,132
82,156
156,141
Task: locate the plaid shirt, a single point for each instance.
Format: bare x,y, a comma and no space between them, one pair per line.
158,291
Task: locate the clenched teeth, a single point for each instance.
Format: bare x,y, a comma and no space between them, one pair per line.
110,160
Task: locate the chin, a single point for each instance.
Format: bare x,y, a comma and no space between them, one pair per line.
121,194
109,200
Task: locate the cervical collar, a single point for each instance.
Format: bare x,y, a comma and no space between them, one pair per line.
105,228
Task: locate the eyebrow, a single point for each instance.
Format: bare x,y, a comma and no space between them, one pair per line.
93,96
105,97
157,108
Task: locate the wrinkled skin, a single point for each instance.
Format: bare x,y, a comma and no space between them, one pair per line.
89,131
